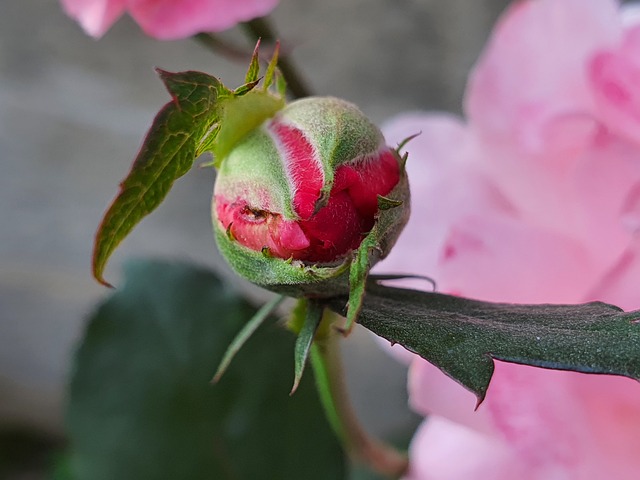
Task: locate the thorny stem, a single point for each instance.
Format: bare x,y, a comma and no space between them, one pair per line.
327,365
296,85
222,47
258,28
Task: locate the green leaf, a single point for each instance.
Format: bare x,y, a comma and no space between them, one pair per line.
203,116
462,337
142,407
167,153
24,452
313,315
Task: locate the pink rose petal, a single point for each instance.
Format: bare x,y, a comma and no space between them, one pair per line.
567,424
430,391
444,450
615,75
495,257
535,413
619,285
533,66
535,199
95,16
171,19
611,404
167,19
604,183
444,184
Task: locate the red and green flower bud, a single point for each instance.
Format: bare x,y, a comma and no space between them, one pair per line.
296,197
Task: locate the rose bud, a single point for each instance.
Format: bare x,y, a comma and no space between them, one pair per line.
295,198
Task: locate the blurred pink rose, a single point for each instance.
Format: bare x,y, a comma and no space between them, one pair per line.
166,19
534,197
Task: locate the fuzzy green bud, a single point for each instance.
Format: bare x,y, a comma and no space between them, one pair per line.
295,198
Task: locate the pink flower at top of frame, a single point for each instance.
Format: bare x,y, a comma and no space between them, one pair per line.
166,19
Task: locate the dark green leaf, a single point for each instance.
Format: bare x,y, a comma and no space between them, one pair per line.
24,451
142,407
62,467
462,336
167,153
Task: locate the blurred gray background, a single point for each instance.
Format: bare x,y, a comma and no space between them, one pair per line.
73,111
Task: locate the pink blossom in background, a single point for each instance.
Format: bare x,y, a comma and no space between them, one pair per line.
533,197
166,19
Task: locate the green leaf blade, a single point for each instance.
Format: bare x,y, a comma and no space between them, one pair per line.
167,153
462,337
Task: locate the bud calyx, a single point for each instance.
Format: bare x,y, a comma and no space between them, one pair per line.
303,189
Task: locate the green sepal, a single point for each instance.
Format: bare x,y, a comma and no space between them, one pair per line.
404,142
247,87
281,84
297,315
244,334
239,116
286,277
358,277
272,69
298,279
312,317
385,203
392,216
254,66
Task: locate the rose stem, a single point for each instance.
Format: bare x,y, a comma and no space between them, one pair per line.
327,365
222,47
